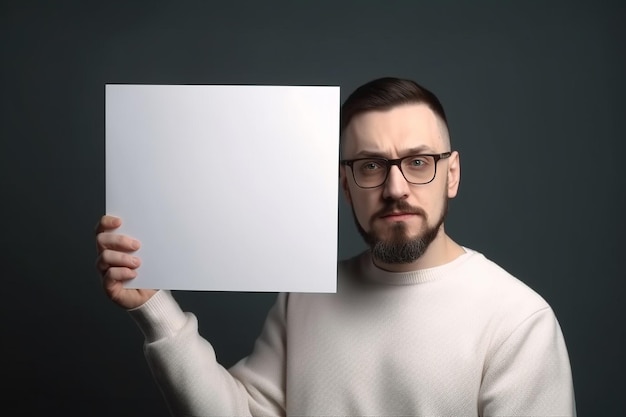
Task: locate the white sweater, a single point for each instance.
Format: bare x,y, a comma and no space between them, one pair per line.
462,339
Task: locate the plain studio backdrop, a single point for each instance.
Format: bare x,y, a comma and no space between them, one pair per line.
534,92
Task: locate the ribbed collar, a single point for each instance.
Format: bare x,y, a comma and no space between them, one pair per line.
373,273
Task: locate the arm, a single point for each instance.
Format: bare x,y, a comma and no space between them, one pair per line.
529,374
182,362
191,380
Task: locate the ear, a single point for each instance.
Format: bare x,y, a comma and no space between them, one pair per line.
454,174
343,180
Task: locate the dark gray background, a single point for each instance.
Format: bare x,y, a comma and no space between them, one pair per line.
535,97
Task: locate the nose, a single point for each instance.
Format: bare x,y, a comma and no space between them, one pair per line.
396,187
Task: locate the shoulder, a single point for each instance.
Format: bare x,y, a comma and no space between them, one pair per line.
483,272
498,291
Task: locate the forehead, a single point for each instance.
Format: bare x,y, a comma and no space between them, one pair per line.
395,131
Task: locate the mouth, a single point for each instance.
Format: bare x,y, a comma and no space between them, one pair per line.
398,216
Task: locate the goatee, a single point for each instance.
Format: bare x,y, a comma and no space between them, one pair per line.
399,248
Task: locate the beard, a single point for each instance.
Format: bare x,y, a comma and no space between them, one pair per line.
399,248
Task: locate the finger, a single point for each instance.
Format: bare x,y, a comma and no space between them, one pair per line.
113,259
110,259
117,275
116,241
116,290
108,222
113,283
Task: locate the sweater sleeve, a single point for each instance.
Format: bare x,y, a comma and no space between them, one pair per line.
529,374
186,370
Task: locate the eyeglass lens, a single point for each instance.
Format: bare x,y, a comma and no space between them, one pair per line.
373,172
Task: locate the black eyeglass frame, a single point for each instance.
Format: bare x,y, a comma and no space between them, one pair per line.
397,162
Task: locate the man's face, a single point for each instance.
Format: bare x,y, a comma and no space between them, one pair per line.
399,219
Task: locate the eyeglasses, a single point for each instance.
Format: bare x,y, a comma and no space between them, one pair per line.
373,172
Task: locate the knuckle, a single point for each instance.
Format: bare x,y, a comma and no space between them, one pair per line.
113,274
100,265
112,258
132,261
107,255
126,242
106,278
120,273
121,242
105,240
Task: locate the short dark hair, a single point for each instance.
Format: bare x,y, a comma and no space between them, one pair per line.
385,93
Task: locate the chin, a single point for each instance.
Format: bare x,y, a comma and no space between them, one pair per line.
394,232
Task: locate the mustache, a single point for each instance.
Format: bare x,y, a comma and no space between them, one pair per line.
398,206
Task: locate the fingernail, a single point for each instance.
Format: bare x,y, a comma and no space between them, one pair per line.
135,244
135,261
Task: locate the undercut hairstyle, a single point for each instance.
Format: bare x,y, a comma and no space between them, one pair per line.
385,93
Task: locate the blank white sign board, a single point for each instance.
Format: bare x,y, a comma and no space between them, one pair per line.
228,188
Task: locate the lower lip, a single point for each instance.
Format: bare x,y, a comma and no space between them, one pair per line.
399,217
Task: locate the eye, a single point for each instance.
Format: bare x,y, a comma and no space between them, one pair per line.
370,166
418,161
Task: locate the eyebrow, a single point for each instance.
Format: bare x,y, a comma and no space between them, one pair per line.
423,149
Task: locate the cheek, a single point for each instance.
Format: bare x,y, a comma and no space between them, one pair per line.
436,205
364,207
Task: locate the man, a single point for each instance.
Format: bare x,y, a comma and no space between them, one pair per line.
419,325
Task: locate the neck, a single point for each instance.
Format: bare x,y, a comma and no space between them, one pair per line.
440,251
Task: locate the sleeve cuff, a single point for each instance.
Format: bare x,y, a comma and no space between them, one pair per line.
159,317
